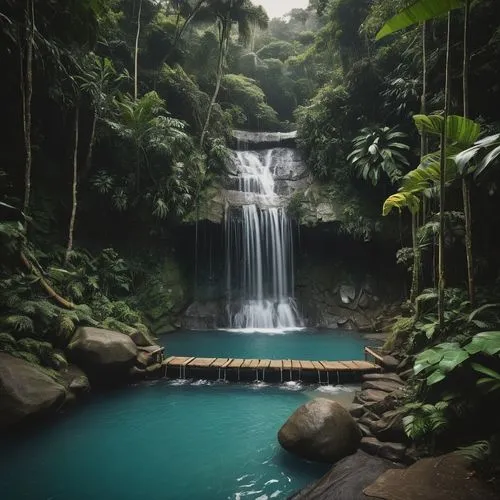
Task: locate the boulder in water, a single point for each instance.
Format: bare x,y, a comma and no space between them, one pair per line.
25,390
321,430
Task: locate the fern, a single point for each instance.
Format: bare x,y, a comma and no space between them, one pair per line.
477,452
19,323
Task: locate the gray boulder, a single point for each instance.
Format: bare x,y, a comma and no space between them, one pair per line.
75,379
141,339
321,430
102,352
25,390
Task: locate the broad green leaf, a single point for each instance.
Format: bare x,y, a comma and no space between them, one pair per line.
487,342
486,371
459,130
453,358
435,377
418,12
400,201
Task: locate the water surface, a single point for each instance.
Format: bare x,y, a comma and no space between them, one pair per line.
162,441
304,344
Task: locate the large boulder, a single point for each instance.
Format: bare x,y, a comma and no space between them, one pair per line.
102,352
25,390
321,430
346,479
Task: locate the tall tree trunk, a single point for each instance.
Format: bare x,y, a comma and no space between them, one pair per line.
415,284
465,179
90,150
27,91
223,44
442,180
136,56
75,185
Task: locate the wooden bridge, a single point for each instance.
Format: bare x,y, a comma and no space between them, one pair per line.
267,369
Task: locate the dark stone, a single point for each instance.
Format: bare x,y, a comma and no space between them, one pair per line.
390,451
393,377
390,363
321,430
405,364
141,339
365,430
369,395
381,385
356,410
438,478
25,390
346,479
75,380
103,354
390,402
202,315
406,374
390,427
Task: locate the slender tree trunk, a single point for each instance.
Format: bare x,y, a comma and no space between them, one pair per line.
90,151
75,185
442,181
223,43
415,284
27,91
136,57
465,179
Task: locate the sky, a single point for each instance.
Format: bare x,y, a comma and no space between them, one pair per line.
276,8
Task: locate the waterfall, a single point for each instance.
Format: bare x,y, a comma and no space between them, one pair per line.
259,246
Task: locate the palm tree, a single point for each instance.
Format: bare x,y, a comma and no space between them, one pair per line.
99,81
147,126
226,13
95,79
377,151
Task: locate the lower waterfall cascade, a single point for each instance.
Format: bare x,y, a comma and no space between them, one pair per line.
259,246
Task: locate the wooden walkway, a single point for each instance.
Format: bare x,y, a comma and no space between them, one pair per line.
178,365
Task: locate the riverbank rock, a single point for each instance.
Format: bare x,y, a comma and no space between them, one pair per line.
321,430
438,478
102,354
346,479
75,380
141,339
390,451
25,390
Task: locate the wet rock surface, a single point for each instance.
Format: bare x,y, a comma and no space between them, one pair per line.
25,390
347,478
439,478
321,430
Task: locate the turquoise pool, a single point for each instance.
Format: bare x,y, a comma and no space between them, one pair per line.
161,441
332,345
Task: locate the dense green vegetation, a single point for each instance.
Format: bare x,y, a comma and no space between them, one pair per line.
118,115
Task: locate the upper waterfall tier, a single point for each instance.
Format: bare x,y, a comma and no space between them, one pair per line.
263,140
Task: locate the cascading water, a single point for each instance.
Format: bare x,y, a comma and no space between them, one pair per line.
259,246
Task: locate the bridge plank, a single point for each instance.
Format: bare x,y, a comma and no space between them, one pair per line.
276,364
202,362
236,363
264,363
